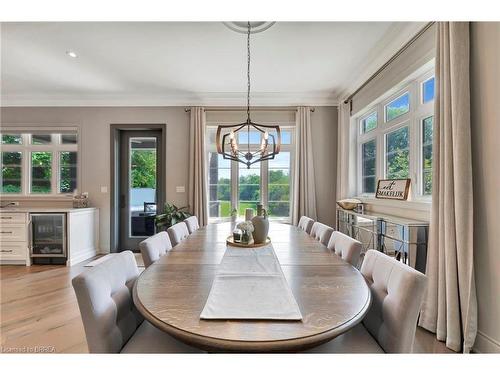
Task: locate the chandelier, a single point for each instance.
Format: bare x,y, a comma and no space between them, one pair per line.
228,135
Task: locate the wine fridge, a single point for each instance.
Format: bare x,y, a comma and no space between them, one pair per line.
48,238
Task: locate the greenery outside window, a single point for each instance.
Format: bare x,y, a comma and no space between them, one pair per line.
232,185
11,172
427,124
38,163
400,146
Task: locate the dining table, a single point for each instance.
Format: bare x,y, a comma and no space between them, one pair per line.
332,295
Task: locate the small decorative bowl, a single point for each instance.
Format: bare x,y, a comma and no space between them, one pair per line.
348,204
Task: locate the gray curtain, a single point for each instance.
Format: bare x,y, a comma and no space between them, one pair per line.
304,193
197,194
450,306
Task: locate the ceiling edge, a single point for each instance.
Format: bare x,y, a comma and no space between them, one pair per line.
206,99
395,38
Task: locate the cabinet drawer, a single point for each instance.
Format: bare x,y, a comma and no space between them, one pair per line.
13,250
13,232
12,218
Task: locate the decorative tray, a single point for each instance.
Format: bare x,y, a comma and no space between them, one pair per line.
231,242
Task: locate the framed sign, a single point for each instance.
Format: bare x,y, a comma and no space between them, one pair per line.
393,189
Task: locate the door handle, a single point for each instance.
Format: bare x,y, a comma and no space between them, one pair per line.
122,201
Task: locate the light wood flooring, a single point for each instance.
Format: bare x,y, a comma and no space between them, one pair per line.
39,311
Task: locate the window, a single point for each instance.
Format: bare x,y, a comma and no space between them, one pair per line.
41,172
397,154
397,107
249,187
11,172
278,185
68,170
368,154
39,163
369,123
427,124
11,139
395,138
232,185
428,90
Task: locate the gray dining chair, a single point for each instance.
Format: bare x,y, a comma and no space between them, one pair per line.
178,232
306,223
154,247
346,247
321,232
389,326
192,224
112,323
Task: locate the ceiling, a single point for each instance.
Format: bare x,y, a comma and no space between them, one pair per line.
190,63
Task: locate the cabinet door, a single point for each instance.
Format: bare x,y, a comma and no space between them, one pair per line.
13,250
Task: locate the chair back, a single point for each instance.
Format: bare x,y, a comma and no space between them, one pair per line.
192,224
154,247
397,294
321,232
178,232
306,223
346,247
104,295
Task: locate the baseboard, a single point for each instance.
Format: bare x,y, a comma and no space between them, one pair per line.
485,344
83,255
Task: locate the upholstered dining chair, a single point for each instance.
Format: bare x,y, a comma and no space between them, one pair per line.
321,232
178,232
306,223
346,247
112,323
389,326
154,247
192,224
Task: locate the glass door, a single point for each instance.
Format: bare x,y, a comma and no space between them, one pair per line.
48,235
138,186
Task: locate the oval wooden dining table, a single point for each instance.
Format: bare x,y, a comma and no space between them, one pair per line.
332,295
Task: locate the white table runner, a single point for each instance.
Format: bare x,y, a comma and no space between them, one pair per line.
250,285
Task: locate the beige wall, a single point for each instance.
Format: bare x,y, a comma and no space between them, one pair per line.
95,146
485,108
94,122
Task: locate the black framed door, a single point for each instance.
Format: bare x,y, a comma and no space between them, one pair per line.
138,187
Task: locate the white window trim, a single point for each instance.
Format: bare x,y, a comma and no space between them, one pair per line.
264,172
413,118
56,147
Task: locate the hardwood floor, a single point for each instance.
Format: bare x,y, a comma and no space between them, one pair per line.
39,312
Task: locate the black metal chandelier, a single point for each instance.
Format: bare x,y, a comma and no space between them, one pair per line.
227,135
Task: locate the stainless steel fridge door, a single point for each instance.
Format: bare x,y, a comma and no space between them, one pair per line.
48,235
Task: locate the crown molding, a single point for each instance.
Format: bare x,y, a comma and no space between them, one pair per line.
395,38
172,100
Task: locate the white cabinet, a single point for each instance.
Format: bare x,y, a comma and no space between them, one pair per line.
81,228
83,235
13,238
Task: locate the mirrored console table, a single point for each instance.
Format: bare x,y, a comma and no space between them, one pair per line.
402,238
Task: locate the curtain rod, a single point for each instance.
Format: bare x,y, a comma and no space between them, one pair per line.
388,62
239,109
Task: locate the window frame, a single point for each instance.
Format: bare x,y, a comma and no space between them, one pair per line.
413,119
264,172
55,147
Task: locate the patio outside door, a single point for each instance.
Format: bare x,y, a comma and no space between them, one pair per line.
139,188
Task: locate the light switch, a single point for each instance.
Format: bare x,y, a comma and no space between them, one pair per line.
104,189
180,189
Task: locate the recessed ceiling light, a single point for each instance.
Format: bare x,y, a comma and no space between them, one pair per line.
72,54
